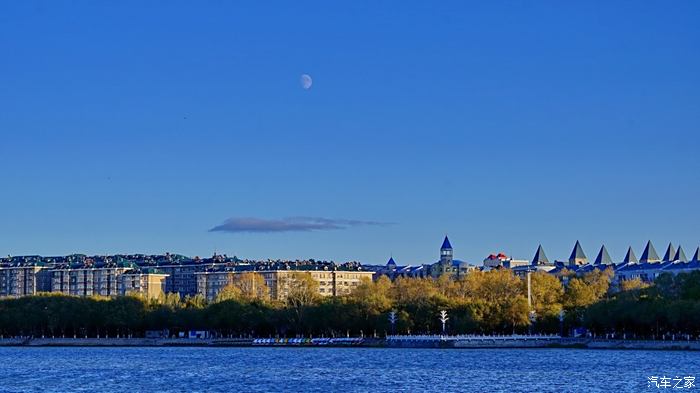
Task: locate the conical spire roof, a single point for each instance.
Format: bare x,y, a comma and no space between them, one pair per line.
446,244
649,255
603,257
577,255
540,258
630,257
391,262
680,255
696,257
670,253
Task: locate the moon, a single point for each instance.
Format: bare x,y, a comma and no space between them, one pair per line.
306,81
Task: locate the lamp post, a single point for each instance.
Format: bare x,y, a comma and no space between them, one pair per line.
529,291
392,320
531,315
443,319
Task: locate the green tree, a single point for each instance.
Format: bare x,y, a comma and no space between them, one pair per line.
229,292
301,293
252,286
634,284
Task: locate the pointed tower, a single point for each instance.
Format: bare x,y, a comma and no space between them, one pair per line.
446,252
445,264
670,254
540,258
577,255
696,257
680,255
603,257
630,257
649,255
391,264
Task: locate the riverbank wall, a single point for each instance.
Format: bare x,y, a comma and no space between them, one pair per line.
188,342
102,342
639,344
483,342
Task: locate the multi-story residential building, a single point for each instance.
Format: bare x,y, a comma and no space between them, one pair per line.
149,284
87,281
332,280
154,275
181,274
24,280
210,283
181,278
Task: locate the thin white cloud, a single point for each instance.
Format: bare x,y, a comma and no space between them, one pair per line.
289,224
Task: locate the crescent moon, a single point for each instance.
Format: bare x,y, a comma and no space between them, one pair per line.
306,81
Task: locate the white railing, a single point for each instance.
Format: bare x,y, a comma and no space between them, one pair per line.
474,337
309,341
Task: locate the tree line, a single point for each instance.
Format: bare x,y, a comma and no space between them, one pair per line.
668,309
493,302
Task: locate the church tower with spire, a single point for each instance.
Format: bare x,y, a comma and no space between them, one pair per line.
444,266
446,252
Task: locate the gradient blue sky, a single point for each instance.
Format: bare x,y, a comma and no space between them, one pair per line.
139,126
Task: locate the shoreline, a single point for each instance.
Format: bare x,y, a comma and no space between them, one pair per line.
502,343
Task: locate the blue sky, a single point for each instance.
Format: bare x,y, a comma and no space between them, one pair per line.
141,126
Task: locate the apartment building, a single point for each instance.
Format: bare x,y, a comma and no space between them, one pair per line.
24,280
148,284
87,281
279,282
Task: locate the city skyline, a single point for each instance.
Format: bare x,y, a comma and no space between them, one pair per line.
602,255
339,196
133,128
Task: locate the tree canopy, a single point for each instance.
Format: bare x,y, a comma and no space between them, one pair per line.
479,302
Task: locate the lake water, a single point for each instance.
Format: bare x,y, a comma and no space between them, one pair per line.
177,369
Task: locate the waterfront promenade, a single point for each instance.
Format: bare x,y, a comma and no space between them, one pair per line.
414,341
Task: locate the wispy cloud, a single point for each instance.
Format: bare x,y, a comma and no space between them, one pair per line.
289,224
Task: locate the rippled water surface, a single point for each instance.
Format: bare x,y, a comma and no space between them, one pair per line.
336,370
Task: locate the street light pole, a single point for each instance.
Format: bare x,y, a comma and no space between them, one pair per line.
392,320
529,291
443,319
531,314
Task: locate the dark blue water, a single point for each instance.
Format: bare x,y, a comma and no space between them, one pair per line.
336,370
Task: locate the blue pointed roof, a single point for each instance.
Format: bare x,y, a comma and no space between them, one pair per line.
670,253
391,261
680,255
649,254
630,257
540,258
446,244
603,257
577,253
